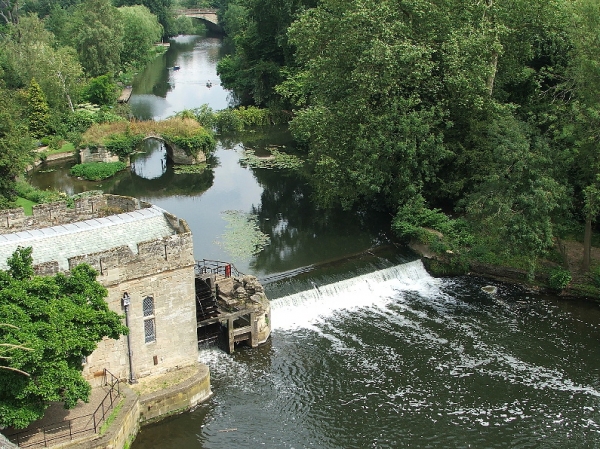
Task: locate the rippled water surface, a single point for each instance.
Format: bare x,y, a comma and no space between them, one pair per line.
396,358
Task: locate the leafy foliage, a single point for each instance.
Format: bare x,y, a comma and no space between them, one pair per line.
259,33
27,191
16,147
235,119
122,144
559,278
101,90
96,33
96,171
141,31
37,110
61,318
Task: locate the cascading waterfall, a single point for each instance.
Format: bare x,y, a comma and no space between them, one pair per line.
373,289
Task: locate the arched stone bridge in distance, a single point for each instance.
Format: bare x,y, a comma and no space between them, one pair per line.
208,16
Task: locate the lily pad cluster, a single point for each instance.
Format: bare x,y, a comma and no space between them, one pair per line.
189,169
277,159
242,238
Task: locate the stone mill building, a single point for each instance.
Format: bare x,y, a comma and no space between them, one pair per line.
144,257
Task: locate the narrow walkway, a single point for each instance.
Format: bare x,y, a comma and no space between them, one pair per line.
59,424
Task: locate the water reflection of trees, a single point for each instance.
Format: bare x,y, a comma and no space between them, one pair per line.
169,184
302,235
155,77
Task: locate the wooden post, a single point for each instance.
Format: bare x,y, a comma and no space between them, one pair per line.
231,339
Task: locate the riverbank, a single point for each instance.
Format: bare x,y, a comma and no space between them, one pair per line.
581,284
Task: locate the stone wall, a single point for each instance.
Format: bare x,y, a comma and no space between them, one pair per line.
53,214
136,410
99,154
164,270
176,154
176,398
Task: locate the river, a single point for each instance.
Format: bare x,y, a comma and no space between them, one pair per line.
367,350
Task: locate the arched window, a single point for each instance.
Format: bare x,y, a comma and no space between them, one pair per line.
149,323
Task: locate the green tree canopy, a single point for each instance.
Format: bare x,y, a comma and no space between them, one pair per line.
16,146
31,52
96,32
160,8
38,111
60,319
141,31
258,29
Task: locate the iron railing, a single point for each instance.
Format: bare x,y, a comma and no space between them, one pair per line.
73,428
225,269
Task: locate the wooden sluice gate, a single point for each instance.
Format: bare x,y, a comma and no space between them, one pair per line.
230,307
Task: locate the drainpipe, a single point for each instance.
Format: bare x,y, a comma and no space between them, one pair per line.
126,300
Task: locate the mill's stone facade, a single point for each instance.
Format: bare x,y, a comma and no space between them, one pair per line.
139,251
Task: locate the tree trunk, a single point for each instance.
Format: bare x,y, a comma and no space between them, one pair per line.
587,244
492,77
562,249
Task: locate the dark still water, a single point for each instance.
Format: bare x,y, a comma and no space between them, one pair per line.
367,349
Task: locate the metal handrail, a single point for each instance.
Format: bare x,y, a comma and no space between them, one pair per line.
225,269
24,439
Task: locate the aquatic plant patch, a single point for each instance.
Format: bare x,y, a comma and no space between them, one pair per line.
96,171
189,169
277,159
242,238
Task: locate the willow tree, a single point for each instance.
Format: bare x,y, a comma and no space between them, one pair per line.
140,31
96,33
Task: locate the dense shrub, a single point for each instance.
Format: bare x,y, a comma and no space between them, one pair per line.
25,190
559,278
96,171
122,137
122,144
237,119
101,90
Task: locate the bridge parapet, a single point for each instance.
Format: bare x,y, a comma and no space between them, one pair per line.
204,14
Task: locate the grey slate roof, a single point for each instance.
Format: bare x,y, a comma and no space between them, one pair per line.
59,243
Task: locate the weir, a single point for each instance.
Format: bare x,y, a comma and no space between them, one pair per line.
371,289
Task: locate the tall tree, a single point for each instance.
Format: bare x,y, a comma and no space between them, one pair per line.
373,125
259,31
38,111
9,10
583,91
61,318
16,146
160,8
140,31
31,52
96,33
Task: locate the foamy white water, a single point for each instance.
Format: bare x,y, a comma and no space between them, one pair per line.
304,309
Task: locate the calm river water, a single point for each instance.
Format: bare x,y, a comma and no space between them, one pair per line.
367,349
